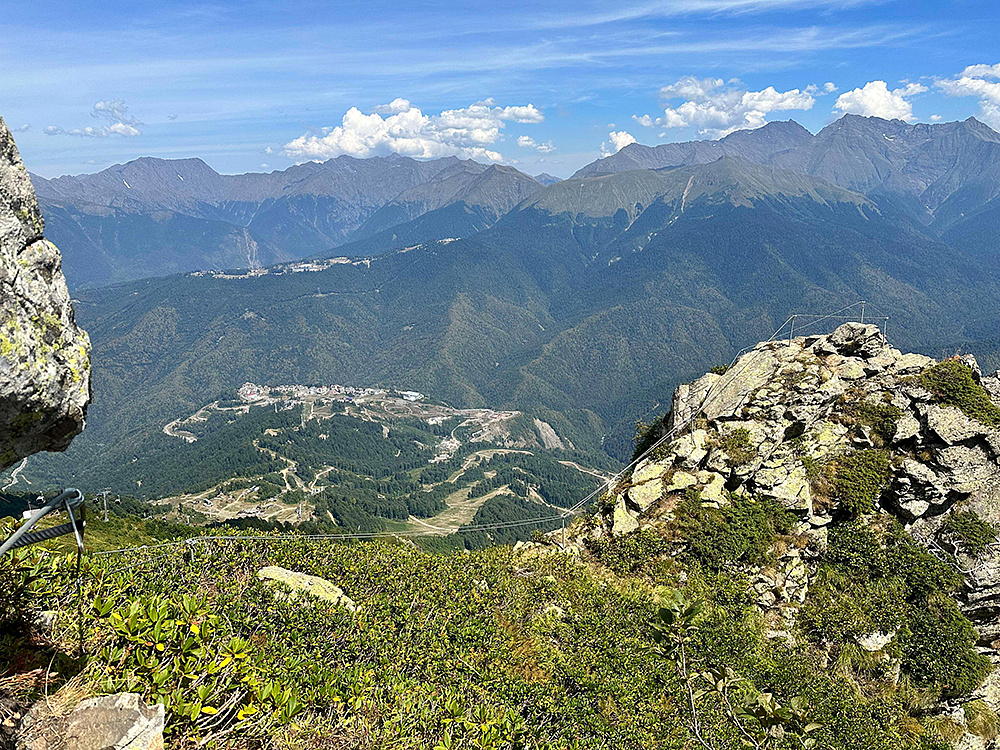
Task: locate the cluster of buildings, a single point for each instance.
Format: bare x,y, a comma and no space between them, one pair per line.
250,392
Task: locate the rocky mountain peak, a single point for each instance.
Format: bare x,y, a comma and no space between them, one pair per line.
44,356
836,428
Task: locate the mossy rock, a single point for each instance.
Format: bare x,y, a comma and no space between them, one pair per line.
315,586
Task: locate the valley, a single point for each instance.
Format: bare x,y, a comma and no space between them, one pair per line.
346,459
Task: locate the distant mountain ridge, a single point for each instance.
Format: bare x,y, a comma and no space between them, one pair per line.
754,145
153,217
159,216
939,174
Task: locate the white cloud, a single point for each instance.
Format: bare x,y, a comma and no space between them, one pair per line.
526,141
404,129
116,117
981,81
876,100
394,107
23,129
617,140
935,118
829,87
718,108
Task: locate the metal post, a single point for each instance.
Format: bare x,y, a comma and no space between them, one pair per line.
791,329
564,533
862,312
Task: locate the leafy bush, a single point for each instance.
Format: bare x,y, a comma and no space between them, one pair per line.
27,576
174,651
631,553
952,383
939,649
885,581
974,534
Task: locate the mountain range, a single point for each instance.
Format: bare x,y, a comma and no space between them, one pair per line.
153,217
582,305
940,174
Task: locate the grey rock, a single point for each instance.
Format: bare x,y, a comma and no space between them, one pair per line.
44,356
111,722
876,640
951,425
991,384
646,494
115,722
910,364
623,521
907,428
858,340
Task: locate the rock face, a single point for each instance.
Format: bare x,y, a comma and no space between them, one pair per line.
112,722
788,412
44,356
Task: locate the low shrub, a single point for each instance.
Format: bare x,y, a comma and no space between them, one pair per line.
738,447
972,532
629,554
882,418
953,384
858,479
883,580
740,533
939,649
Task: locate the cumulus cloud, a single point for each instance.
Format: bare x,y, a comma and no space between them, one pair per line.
981,81
399,127
617,140
829,87
718,108
114,114
526,141
23,129
875,99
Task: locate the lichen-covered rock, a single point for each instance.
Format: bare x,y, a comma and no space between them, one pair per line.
44,356
787,418
307,584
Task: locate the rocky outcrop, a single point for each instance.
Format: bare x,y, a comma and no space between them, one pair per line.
112,722
44,356
788,415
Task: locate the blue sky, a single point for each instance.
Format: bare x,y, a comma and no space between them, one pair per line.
544,86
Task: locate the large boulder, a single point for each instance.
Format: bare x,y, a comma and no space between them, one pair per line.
44,356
